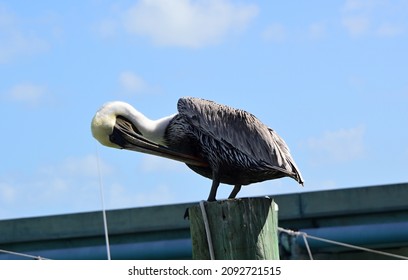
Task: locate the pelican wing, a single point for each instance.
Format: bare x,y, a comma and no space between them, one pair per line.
241,130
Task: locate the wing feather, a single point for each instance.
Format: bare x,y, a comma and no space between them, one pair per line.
241,130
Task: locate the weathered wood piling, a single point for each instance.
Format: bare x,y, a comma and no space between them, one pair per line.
239,229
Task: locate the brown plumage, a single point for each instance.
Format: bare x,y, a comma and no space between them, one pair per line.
219,142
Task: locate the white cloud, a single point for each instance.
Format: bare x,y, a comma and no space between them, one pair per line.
153,163
356,25
14,41
317,30
366,17
70,185
389,30
338,146
270,187
187,23
120,197
106,28
27,93
131,82
275,32
278,33
358,5
83,166
7,193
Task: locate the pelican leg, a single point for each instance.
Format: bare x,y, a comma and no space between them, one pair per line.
214,187
213,192
235,191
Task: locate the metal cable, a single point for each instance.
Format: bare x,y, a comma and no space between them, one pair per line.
105,220
307,246
305,235
22,255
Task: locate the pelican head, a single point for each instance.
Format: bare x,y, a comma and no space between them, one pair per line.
118,125
104,122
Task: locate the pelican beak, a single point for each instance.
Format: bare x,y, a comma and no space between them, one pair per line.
126,135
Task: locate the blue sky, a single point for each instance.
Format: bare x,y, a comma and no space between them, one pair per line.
329,76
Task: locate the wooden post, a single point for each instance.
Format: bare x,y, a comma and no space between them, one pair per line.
240,229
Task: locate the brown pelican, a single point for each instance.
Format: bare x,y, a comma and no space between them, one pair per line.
224,144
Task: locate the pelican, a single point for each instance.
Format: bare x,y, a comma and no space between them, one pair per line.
224,144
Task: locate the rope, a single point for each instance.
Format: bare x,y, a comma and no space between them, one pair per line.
305,235
307,246
207,230
105,220
22,255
